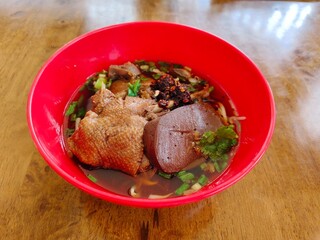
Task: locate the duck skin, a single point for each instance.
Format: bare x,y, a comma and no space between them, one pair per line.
110,136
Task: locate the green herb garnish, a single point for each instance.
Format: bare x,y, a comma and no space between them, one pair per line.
217,166
81,112
203,166
134,88
175,65
207,138
92,178
142,78
89,85
99,82
191,89
182,188
73,117
164,175
71,108
144,68
181,173
226,132
156,76
164,66
223,165
187,177
216,145
140,62
80,100
151,64
203,180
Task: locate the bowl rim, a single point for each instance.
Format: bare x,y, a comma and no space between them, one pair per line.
141,202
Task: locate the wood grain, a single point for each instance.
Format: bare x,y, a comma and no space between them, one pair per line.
279,199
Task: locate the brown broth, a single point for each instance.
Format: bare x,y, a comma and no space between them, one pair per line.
120,183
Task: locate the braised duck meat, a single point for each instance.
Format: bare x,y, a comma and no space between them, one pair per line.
110,135
124,71
168,140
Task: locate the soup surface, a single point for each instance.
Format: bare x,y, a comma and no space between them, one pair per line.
162,88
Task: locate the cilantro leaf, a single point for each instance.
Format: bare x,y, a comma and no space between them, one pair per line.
207,138
226,132
216,145
134,88
72,107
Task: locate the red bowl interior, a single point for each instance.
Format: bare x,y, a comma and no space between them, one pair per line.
210,56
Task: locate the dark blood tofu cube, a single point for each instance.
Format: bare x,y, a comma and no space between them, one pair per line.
168,139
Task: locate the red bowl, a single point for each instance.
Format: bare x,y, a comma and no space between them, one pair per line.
210,56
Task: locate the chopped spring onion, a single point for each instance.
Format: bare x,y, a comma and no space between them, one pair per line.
81,112
223,165
71,108
203,166
99,82
80,100
144,67
181,173
73,117
189,191
196,186
83,88
186,177
210,167
175,65
217,166
164,66
203,180
142,78
182,188
140,62
92,178
164,69
193,81
156,76
164,175
156,70
102,75
191,89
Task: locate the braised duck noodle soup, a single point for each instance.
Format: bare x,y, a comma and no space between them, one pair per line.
151,129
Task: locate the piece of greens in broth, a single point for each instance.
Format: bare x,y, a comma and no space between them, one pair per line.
217,144
133,89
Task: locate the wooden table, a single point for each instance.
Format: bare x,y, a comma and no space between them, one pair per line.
279,199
